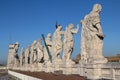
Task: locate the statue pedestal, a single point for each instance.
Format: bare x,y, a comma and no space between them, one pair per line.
68,67
49,67
34,67
57,64
93,71
27,67
39,67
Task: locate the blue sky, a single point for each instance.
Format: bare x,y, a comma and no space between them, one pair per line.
25,20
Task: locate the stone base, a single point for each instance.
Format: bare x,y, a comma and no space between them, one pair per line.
39,67
49,67
68,65
101,60
57,64
93,71
33,67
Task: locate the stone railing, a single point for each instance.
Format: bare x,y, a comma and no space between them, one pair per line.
106,71
3,67
66,69
21,76
111,71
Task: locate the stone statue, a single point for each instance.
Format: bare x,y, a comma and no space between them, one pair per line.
69,41
16,57
40,53
13,58
16,47
22,57
57,42
27,55
49,44
47,53
33,56
92,36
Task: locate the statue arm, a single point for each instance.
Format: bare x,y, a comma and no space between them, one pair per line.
48,42
75,30
100,33
97,25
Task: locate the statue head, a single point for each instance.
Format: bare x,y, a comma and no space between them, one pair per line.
16,43
49,35
39,41
16,46
59,28
34,42
70,26
97,8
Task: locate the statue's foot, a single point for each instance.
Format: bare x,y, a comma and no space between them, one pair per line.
70,62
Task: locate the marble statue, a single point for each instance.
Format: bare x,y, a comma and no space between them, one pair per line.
33,56
16,57
57,42
22,57
49,44
92,36
13,58
27,55
48,53
40,52
69,42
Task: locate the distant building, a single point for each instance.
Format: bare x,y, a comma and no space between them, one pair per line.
114,58
109,58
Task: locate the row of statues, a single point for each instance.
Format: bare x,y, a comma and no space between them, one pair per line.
63,41
56,44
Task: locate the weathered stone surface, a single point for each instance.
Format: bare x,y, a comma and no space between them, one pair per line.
92,65
33,53
49,45
92,44
13,58
92,37
57,43
27,55
40,52
22,57
69,42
